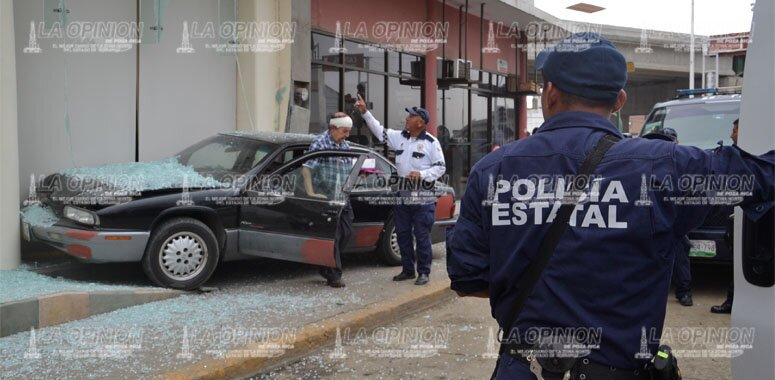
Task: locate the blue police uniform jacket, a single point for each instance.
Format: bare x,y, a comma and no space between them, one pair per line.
611,270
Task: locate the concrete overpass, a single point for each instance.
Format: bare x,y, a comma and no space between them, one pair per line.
661,66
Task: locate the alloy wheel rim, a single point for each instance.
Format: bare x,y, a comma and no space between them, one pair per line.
183,256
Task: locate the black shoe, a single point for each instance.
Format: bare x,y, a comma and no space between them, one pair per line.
403,276
422,279
686,300
724,308
323,272
335,283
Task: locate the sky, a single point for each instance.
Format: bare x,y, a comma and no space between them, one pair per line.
710,16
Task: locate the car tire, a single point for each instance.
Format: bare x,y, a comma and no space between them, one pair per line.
181,254
388,247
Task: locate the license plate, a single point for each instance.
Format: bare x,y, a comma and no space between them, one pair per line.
702,248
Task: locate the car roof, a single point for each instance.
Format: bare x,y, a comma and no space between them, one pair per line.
279,138
700,100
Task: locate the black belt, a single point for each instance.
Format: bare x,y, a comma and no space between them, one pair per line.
584,369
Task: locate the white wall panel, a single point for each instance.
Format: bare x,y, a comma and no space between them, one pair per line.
100,91
184,97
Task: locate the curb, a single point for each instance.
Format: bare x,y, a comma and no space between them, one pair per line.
57,308
311,339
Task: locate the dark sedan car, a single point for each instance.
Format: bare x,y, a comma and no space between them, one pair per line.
232,196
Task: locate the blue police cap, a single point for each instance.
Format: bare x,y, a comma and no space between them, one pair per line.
585,65
419,111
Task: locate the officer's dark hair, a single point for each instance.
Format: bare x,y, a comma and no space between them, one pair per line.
570,99
735,122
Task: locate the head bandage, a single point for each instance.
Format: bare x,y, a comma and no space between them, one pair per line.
341,122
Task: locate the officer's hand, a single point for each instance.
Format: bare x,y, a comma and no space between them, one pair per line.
415,175
360,104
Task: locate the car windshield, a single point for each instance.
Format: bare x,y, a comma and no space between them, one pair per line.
222,155
699,124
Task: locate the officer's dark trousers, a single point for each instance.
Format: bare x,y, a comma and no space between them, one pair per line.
415,220
682,273
343,233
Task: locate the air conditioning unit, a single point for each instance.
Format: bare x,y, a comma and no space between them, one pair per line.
461,70
453,69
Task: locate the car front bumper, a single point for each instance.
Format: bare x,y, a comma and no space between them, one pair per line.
90,245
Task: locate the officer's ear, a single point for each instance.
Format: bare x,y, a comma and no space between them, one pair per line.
620,100
551,95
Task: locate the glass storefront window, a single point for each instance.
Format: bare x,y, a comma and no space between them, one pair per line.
453,138
406,60
401,97
479,132
372,88
504,124
324,96
322,48
364,56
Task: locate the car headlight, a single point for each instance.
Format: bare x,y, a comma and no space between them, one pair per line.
81,216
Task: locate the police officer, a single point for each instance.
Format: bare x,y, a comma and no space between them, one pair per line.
611,267
419,160
682,272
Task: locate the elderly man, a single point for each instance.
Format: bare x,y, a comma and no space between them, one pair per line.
567,236
420,161
326,176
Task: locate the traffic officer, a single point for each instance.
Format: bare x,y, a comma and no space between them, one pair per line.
611,268
420,161
682,272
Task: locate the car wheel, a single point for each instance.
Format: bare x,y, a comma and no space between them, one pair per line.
389,249
182,254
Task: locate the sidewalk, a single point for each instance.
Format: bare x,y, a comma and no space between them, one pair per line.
456,340
266,303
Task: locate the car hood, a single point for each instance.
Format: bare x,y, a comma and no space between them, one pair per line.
91,187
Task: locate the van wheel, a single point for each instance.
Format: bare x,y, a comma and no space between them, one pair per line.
182,254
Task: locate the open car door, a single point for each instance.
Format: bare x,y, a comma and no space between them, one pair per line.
302,225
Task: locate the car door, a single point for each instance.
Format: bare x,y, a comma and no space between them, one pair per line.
372,197
301,226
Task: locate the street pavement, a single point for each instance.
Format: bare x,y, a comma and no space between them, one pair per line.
265,298
467,350
264,301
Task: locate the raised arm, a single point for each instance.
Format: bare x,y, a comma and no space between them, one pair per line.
376,128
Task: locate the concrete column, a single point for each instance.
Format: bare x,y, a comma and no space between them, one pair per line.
264,86
10,251
430,77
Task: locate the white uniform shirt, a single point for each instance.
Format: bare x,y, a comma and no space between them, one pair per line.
422,153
